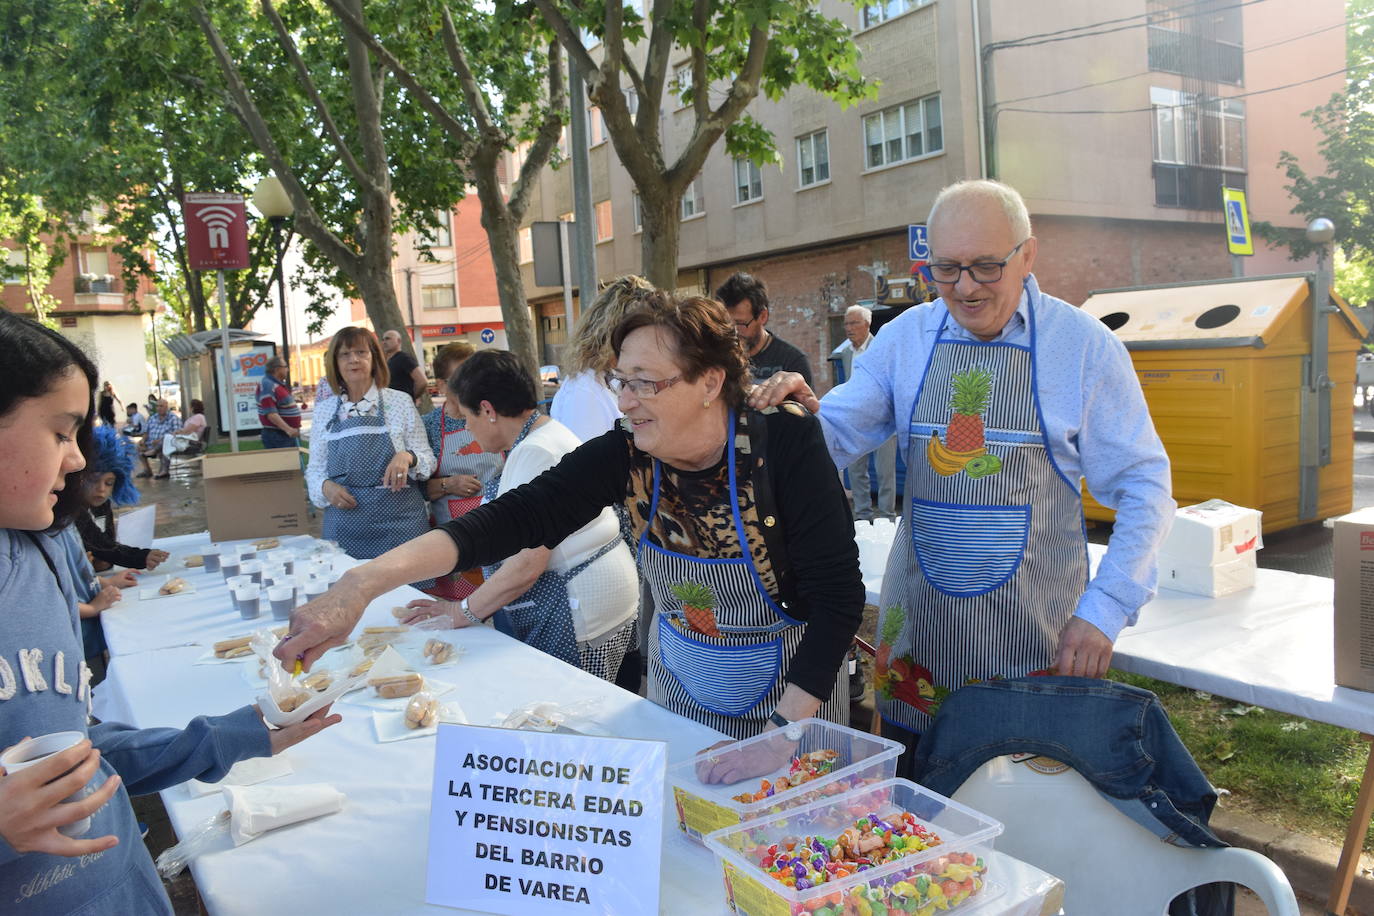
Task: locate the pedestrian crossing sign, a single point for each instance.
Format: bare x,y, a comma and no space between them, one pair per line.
1238,239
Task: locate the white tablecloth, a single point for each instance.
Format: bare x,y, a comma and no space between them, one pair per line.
1270,646
371,858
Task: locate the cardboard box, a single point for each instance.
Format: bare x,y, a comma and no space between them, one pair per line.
1212,533
255,494
1354,602
1207,579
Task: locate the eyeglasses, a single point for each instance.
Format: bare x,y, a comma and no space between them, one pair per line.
639,387
980,271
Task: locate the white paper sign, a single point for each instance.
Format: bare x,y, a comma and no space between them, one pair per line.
136,527
529,822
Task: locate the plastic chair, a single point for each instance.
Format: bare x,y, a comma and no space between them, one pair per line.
1109,863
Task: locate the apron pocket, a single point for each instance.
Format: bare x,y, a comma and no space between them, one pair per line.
726,680
965,551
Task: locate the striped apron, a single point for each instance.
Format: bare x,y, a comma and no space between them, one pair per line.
731,681
459,453
990,559
359,451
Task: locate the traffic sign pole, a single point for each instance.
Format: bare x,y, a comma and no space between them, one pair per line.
227,384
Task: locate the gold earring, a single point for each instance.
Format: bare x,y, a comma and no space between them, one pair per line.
706,404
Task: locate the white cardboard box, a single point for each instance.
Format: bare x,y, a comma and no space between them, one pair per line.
1212,533
1207,579
1353,567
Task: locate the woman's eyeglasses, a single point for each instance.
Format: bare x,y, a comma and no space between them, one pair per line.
639,387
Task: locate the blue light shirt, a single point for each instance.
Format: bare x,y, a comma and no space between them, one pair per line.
1096,423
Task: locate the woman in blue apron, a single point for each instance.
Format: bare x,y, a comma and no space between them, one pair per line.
576,600
367,450
746,539
463,469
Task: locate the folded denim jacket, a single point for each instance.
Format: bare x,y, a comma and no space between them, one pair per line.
1116,736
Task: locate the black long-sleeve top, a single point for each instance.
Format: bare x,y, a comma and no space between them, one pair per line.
104,549
808,521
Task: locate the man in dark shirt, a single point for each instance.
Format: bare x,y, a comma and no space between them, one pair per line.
406,374
746,299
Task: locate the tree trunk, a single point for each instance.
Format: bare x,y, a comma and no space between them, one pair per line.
503,239
660,213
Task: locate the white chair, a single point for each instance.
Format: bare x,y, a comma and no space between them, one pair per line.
1108,862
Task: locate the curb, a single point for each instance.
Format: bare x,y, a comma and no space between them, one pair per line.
1309,863
1364,435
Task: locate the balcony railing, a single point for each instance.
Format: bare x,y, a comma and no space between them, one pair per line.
98,285
1192,55
1194,187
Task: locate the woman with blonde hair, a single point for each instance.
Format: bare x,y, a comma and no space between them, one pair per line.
368,449
583,403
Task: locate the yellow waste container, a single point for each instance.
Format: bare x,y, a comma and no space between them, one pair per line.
1224,367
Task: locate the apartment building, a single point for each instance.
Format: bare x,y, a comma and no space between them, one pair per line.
1119,121
96,309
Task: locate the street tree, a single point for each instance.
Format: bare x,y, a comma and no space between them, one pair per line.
510,90
733,51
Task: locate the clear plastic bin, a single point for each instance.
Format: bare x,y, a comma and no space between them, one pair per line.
946,877
861,759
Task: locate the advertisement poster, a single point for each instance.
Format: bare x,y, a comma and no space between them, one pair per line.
248,365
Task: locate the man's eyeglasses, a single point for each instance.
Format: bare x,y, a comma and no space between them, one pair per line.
639,387
980,271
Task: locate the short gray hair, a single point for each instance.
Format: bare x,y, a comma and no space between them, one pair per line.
862,310
275,362
1010,200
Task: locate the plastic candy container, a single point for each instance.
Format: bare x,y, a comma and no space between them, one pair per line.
887,849
815,759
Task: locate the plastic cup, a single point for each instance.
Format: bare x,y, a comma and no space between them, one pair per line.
283,601
236,582
36,750
252,568
211,560
249,599
247,552
229,566
288,563
315,587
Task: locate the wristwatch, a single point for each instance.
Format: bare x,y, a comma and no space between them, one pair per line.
790,730
467,612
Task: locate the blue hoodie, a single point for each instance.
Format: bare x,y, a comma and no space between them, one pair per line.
44,687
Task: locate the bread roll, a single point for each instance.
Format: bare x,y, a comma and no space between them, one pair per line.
401,685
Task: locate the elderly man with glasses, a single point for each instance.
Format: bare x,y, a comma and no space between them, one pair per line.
1004,398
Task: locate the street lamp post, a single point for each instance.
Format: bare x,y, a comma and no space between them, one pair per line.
271,200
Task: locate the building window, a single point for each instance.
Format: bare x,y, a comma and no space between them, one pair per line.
1201,40
693,199
639,211
904,132
13,266
441,236
813,158
526,245
1199,148
682,83
632,101
603,221
596,126
438,297
888,9
748,182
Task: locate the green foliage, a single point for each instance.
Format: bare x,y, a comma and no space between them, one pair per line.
1341,186
893,619
694,594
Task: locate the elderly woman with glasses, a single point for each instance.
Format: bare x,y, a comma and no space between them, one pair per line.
745,535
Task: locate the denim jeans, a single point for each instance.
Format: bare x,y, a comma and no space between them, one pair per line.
275,438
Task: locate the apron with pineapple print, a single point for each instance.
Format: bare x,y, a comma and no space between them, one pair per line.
991,559
718,643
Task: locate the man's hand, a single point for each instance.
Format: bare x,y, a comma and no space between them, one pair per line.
1084,650
313,724
780,387
320,625
31,806
338,496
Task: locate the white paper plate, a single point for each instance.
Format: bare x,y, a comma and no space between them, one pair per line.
391,726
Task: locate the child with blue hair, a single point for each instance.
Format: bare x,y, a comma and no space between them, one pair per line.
106,483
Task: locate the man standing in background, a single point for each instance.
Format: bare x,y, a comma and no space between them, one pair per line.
857,321
406,374
278,411
746,299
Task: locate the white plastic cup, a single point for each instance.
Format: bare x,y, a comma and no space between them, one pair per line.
288,562
315,587
249,600
36,750
211,560
230,565
252,568
247,552
236,582
283,601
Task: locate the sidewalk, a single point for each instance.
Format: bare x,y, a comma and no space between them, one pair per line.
1308,862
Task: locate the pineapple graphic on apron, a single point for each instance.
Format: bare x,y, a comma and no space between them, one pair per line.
990,558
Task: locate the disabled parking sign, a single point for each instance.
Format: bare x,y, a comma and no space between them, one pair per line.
918,245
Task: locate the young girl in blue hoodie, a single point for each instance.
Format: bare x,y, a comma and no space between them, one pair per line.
45,419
